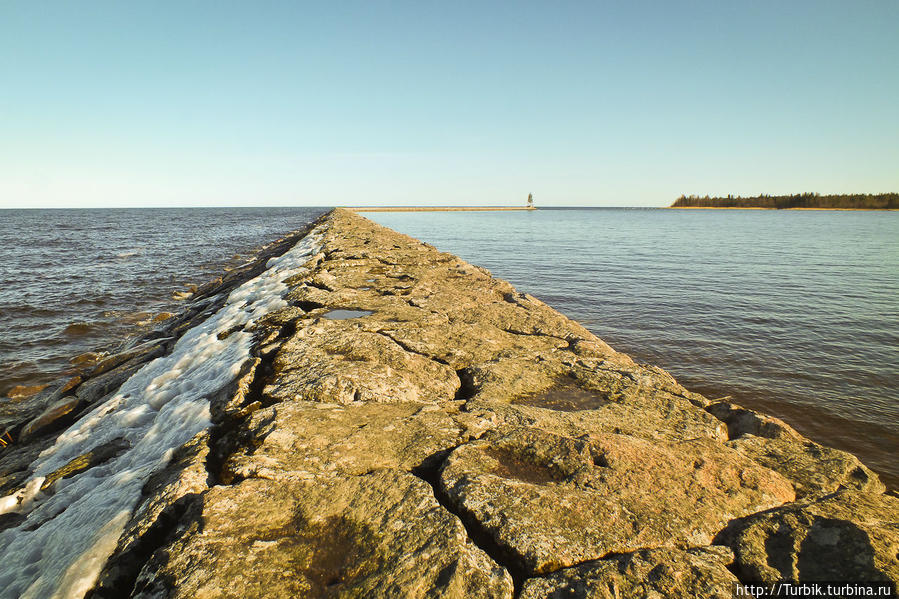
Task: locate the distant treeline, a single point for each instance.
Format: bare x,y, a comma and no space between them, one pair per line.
801,200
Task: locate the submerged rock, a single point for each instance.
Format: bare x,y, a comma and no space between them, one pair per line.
88,460
25,391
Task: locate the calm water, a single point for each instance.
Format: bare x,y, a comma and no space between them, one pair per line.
796,313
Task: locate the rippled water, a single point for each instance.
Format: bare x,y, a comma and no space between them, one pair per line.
72,281
792,312
795,313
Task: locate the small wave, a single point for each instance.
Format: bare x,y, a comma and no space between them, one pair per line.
90,301
26,310
127,254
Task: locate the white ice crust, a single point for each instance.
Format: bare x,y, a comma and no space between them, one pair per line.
60,548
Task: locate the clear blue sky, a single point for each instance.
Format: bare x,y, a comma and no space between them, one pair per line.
344,103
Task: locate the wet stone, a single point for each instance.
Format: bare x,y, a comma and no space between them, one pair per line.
25,391
564,396
346,314
55,417
88,460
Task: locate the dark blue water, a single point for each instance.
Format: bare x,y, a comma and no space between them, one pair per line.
795,313
792,312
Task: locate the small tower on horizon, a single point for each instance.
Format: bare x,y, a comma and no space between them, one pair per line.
530,200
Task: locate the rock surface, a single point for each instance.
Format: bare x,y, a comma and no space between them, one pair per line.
650,573
409,426
380,534
306,440
846,536
554,501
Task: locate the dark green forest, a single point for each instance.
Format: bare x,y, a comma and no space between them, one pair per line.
876,201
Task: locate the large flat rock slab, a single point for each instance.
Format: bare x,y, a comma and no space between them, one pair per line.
379,535
337,361
815,470
846,536
308,440
555,501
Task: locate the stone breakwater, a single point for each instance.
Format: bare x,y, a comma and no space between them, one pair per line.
406,425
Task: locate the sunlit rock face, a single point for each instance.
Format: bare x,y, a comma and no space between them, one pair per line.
399,423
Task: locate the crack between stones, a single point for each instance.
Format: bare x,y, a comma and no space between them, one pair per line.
429,472
407,348
534,334
120,574
615,555
467,389
224,434
569,340
318,285
623,373
386,262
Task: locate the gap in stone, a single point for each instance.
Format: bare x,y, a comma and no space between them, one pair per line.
466,389
429,472
346,314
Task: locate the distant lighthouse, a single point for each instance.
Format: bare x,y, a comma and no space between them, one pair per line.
530,200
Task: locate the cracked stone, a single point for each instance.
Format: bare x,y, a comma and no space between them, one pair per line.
845,536
555,501
305,440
